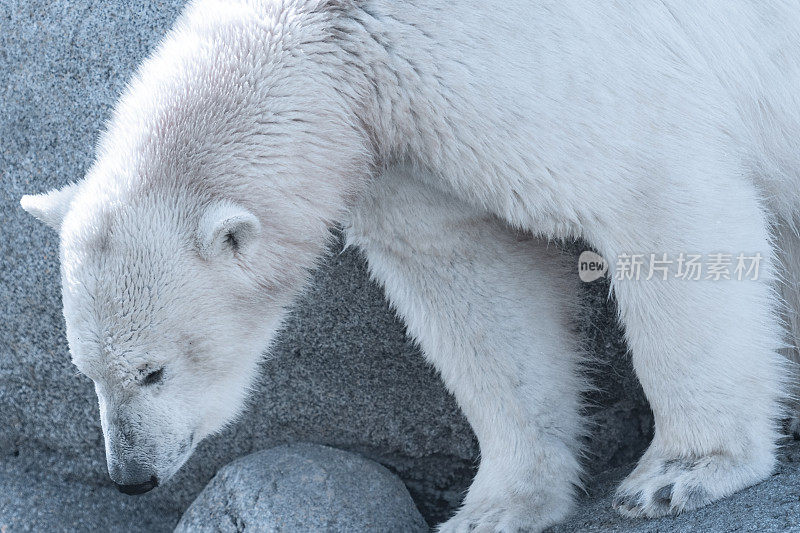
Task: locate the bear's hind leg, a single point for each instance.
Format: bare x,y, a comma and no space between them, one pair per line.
787,241
705,350
490,311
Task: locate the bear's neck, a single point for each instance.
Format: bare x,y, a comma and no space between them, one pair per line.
390,65
366,91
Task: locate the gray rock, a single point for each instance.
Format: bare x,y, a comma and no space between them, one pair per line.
36,495
770,506
303,487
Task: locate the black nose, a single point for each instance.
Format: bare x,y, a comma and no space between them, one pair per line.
138,488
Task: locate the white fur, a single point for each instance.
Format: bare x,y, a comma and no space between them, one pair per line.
438,132
495,323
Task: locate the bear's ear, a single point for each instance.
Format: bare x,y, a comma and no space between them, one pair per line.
226,228
50,207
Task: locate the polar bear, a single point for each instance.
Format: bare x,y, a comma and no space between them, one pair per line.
442,136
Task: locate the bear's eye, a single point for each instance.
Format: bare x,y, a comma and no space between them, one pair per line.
153,377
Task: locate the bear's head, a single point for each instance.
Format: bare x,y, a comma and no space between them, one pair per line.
169,301
216,181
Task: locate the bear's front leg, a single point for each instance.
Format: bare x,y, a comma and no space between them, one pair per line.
489,309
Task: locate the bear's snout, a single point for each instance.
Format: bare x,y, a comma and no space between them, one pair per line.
138,488
132,477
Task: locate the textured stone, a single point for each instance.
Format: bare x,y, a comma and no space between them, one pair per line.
36,494
303,487
771,506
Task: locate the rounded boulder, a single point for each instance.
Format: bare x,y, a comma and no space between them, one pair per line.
303,487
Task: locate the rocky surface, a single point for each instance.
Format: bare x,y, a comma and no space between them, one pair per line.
302,487
771,506
342,373
33,497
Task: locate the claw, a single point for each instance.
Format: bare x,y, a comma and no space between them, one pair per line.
664,495
628,501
